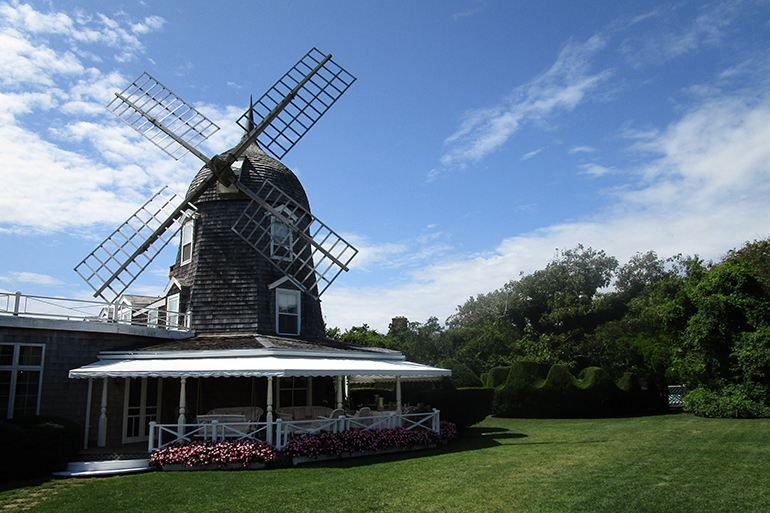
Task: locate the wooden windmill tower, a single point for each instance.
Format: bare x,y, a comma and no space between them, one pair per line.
252,257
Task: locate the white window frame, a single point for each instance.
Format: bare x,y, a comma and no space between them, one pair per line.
187,239
15,368
172,311
141,414
286,383
284,249
287,292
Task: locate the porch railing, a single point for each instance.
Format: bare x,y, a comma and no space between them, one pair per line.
280,432
20,305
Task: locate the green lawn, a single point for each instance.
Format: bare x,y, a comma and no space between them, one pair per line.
666,463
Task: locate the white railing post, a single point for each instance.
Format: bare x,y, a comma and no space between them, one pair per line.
103,416
151,441
436,422
87,427
182,407
16,303
269,417
278,441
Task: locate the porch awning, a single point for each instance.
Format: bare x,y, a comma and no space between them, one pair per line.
259,366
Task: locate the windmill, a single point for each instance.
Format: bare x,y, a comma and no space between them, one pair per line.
275,222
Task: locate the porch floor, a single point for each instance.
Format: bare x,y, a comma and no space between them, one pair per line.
132,451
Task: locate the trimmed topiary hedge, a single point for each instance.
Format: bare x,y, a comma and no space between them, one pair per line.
526,394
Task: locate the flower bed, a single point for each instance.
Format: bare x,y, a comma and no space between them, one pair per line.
218,455
316,445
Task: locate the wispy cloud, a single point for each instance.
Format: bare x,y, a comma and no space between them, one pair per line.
581,149
565,85
671,39
531,154
477,7
595,170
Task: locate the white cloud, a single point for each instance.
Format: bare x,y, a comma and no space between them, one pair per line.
33,278
566,84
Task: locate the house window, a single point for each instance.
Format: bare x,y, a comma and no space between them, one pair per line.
281,237
287,311
293,392
172,311
187,242
21,375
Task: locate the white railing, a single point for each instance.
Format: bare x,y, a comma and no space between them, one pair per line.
165,434
676,395
280,432
20,305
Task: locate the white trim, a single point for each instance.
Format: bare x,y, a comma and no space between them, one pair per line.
242,353
265,366
173,282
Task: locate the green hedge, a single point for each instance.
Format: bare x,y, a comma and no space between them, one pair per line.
526,394
37,446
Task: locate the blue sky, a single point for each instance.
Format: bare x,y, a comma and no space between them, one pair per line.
479,139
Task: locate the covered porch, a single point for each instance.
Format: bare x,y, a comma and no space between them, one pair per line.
282,402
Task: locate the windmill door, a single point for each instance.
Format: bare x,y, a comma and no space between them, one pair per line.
141,406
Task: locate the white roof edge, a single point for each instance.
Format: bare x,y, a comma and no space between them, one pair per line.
246,353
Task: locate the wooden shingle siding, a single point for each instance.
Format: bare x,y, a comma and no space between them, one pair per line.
225,286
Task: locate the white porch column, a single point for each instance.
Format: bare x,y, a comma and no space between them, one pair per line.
87,426
182,407
398,395
103,416
339,392
269,403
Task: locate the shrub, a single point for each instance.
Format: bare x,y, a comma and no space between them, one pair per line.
462,375
731,402
36,446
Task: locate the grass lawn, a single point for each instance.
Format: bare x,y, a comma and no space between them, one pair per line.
666,463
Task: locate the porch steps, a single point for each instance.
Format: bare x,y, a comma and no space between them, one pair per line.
104,468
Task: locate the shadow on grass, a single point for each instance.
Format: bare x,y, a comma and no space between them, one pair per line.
472,439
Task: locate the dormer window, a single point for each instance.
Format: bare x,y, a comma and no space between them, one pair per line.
187,242
287,311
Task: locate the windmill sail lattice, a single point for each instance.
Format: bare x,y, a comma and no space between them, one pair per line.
112,259
287,111
326,82
154,111
314,255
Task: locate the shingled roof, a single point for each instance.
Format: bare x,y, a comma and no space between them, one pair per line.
224,341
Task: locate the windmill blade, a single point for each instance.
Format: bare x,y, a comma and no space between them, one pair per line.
313,256
166,120
116,262
308,90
